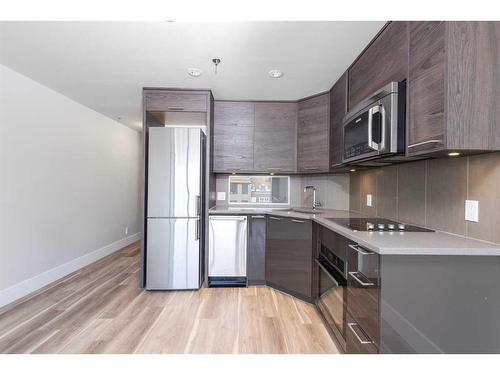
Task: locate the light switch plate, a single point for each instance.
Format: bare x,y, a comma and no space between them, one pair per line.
369,200
221,195
472,210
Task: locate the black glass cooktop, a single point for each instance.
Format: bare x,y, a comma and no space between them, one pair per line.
376,224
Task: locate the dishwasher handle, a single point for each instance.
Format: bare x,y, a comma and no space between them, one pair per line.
228,218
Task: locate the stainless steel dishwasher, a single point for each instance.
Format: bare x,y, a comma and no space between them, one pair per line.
227,252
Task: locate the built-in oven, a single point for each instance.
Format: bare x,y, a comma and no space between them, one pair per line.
332,282
375,128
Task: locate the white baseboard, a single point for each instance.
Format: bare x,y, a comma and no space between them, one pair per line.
28,286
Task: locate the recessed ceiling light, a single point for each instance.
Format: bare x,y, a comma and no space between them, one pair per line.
194,72
353,170
275,73
454,154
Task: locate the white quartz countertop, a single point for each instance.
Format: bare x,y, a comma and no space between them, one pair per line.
384,243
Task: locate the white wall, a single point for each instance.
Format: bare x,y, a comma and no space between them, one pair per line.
69,185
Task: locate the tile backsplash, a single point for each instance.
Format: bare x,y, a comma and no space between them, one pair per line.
332,191
432,193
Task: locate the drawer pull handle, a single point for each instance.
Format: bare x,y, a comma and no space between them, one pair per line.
298,221
310,168
176,108
425,143
361,341
274,218
359,249
273,169
360,282
258,217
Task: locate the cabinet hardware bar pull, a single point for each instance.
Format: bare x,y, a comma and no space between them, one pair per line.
176,108
353,275
425,142
336,164
298,221
274,218
361,341
310,168
327,273
273,169
258,217
198,205
358,249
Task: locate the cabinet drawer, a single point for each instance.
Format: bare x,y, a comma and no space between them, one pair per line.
175,101
357,341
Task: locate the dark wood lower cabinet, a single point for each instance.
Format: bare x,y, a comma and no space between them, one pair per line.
256,254
289,256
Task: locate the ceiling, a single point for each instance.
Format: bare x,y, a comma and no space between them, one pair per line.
104,65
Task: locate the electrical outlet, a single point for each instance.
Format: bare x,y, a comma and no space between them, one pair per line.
221,195
472,210
369,200
126,230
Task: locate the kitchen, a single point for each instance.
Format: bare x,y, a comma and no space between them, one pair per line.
360,219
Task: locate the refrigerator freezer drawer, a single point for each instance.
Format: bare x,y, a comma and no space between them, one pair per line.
173,254
174,172
227,246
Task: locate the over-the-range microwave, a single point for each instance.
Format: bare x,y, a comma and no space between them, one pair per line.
375,128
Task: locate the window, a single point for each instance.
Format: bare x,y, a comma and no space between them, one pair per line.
259,190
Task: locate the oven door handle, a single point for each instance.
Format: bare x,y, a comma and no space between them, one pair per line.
372,111
327,273
359,281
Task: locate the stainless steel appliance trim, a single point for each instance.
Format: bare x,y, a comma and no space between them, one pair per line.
274,218
298,221
359,250
390,88
425,142
353,275
327,273
361,341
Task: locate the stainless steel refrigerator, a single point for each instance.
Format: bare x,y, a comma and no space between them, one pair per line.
174,208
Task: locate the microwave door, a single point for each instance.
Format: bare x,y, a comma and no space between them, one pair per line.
356,133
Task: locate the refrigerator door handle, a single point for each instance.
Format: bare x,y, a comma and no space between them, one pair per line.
198,205
197,230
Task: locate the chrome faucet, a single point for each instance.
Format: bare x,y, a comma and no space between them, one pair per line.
315,203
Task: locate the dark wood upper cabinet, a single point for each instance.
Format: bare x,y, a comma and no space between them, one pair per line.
275,137
233,138
453,86
385,60
338,109
313,134
175,100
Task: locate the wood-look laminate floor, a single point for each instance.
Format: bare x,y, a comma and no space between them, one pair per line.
101,309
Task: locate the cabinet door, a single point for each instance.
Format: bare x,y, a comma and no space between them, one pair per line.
313,135
233,136
338,109
275,137
161,100
256,255
289,256
426,120
384,61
